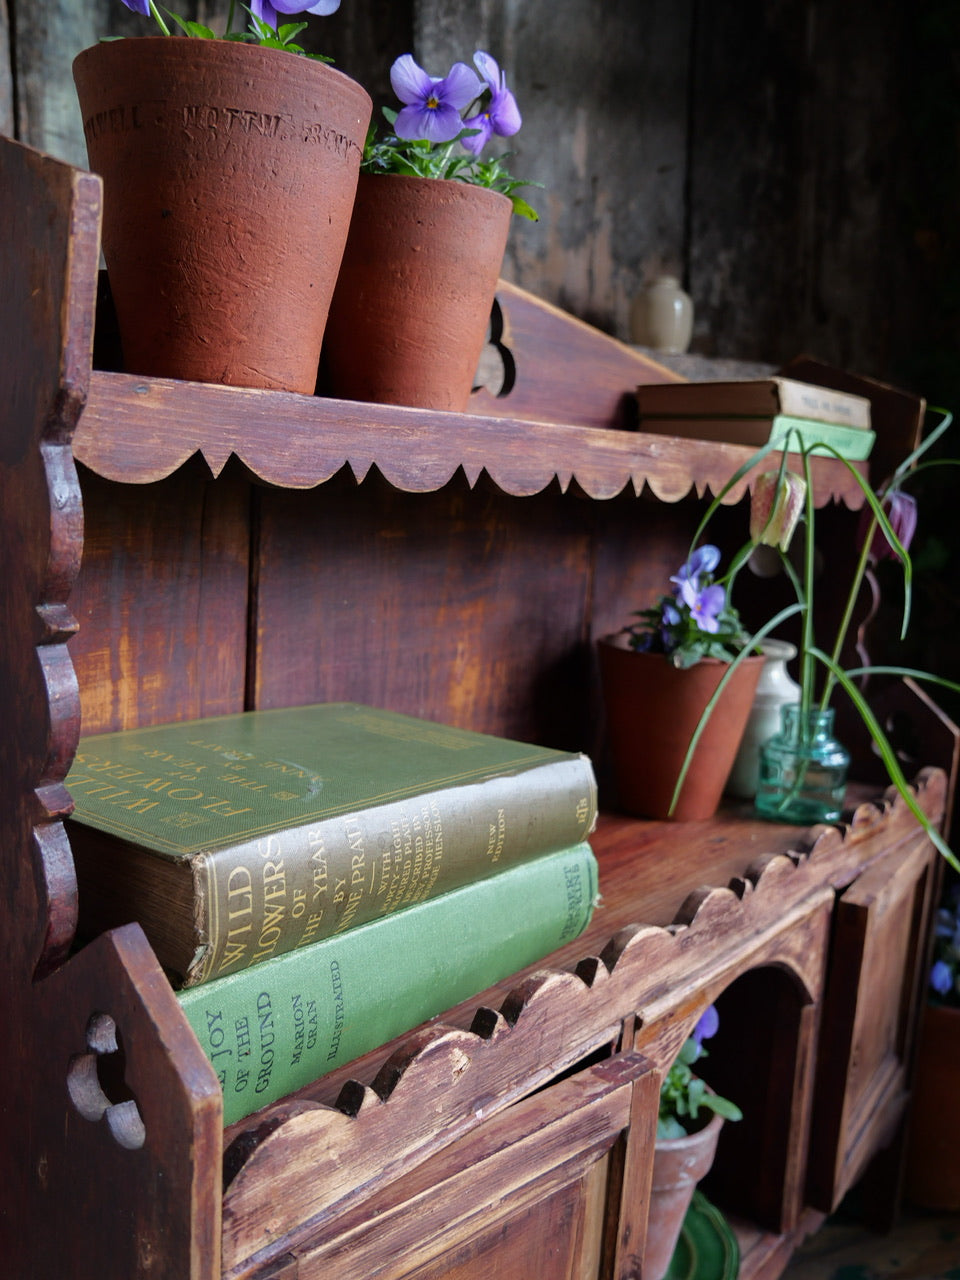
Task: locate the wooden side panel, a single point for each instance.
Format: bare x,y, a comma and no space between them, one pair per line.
537,1191
868,1019
110,1117
162,599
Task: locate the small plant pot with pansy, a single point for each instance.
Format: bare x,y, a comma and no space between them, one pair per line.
677,690
425,250
230,169
690,1118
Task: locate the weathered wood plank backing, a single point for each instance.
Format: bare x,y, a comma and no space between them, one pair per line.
766,151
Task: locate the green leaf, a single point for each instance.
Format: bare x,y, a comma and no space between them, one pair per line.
888,755
521,207
723,1106
669,1127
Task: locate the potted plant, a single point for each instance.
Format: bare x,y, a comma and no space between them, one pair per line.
229,168
662,677
426,242
688,1128
933,1146
802,769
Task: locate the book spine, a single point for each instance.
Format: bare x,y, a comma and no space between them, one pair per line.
286,890
851,442
272,1029
800,400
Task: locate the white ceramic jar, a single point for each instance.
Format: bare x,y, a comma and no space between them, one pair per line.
775,688
662,317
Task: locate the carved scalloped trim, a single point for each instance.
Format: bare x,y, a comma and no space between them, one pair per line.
548,1022
139,430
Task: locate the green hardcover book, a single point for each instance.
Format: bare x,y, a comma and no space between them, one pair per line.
855,443
235,839
273,1028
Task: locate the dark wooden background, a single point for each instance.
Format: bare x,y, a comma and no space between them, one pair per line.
795,161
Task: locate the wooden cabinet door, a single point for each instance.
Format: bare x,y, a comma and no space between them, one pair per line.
868,1022
554,1187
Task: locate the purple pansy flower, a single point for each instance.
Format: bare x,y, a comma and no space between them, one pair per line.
704,605
941,979
270,11
139,6
704,560
500,115
433,106
901,511
707,1025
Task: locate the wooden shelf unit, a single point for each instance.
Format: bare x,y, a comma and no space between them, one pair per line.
215,549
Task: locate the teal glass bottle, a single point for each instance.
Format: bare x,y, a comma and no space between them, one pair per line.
803,769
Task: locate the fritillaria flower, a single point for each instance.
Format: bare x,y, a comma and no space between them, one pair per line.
433,106
776,504
500,115
901,511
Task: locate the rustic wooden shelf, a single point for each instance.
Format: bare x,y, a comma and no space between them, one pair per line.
138,430
220,549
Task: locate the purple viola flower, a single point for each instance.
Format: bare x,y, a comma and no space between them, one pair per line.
941,979
271,11
901,511
708,1025
433,106
139,6
704,604
500,115
704,560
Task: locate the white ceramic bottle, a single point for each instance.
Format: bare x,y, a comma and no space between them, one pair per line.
775,688
662,317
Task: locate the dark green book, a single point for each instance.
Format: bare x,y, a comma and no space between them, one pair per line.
233,840
272,1029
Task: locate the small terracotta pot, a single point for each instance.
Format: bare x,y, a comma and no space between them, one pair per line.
229,176
678,1165
412,305
652,711
933,1145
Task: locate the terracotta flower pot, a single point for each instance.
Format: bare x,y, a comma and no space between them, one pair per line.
933,1146
652,710
412,305
678,1165
229,176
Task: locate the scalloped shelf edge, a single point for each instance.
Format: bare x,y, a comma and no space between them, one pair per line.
138,430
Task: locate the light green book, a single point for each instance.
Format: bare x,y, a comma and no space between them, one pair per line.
273,1028
855,443
233,840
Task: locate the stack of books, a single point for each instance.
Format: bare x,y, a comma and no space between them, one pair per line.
318,880
757,411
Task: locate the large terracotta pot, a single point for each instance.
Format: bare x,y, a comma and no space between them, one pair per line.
678,1165
652,711
229,176
933,1146
412,305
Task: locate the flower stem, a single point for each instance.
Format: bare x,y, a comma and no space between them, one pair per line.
230,13
159,21
807,637
841,636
